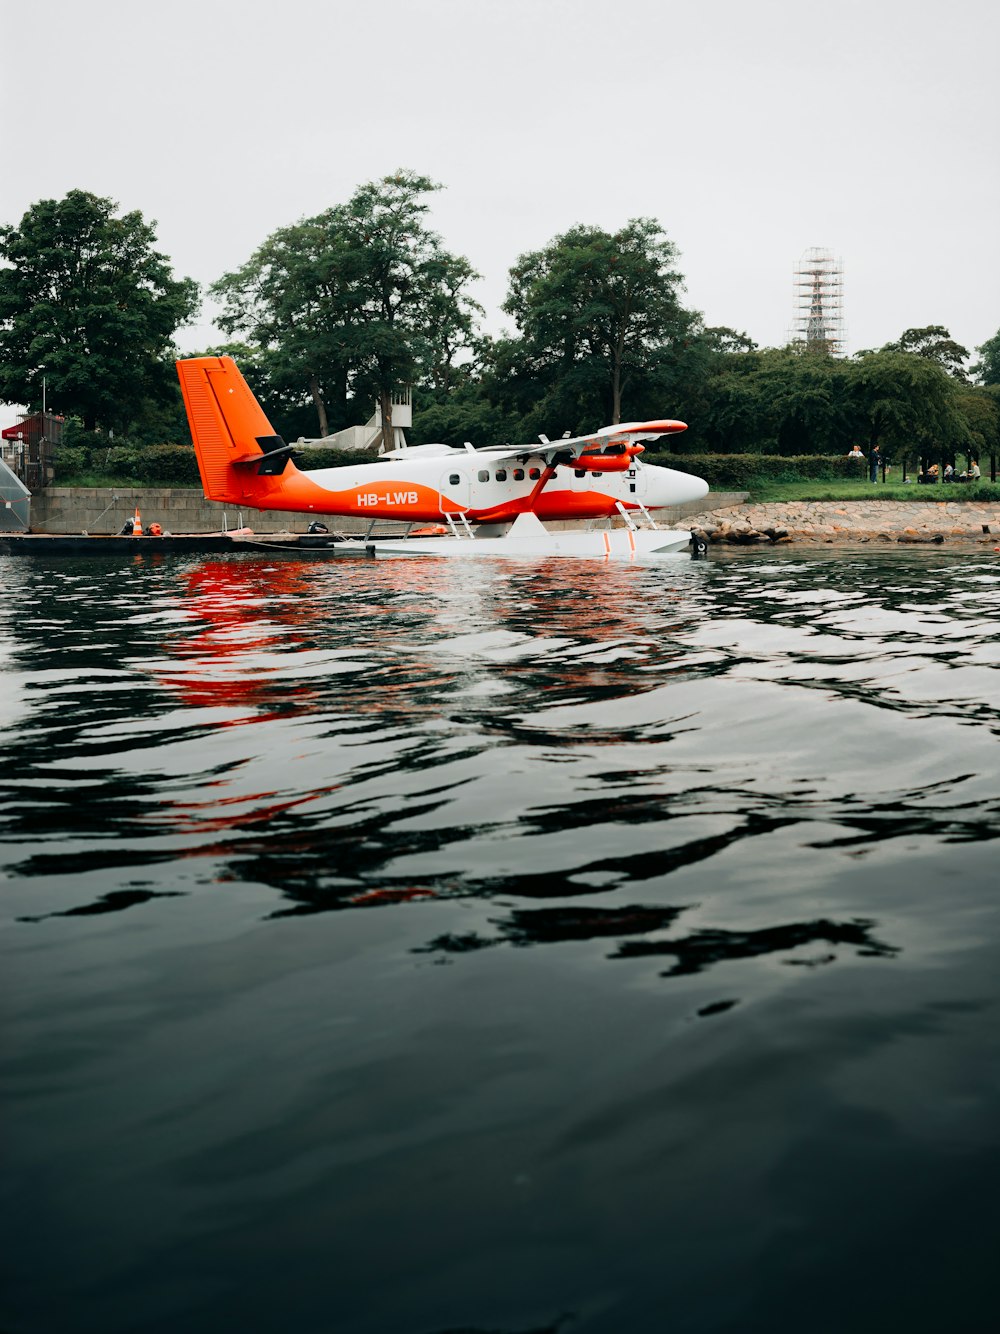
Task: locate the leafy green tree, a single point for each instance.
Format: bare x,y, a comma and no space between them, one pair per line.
808,401
706,380
360,300
735,418
286,303
462,412
412,313
980,410
906,401
596,312
725,342
792,400
88,303
935,342
987,368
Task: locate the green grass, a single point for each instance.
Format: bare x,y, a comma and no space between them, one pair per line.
765,492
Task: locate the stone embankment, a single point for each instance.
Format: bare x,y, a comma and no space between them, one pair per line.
839,522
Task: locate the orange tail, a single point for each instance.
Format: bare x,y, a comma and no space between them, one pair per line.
234,441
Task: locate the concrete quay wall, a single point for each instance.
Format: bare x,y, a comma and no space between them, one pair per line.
93,509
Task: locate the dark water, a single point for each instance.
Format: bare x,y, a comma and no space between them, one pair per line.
416,947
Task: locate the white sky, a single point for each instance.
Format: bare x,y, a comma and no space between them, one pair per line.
751,131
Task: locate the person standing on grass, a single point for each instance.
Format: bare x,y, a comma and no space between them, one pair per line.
874,459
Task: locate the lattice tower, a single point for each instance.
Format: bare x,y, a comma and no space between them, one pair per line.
819,295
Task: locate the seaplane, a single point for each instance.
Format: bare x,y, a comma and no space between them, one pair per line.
477,502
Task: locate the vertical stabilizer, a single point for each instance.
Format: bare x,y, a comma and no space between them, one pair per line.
226,423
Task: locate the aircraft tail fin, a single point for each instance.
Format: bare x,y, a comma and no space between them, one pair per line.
233,439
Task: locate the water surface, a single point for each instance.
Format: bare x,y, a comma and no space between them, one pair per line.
416,947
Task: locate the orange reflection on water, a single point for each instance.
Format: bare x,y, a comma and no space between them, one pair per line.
250,612
256,808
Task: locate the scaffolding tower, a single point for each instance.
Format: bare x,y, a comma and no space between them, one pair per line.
819,294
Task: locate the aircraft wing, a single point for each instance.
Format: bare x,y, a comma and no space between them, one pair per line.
608,440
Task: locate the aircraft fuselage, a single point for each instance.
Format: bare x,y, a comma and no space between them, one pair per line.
481,487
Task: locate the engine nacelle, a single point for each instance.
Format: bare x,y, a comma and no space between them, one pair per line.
613,458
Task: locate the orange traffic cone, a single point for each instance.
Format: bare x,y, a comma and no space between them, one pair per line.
137,523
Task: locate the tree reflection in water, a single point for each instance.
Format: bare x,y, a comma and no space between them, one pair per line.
694,953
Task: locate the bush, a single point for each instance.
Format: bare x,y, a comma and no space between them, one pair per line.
69,461
117,461
740,472
166,465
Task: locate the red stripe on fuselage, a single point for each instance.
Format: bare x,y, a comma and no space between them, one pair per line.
551,505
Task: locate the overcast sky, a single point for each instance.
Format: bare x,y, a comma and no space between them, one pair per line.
749,131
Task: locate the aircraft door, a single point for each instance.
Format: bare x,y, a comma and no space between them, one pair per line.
636,482
455,490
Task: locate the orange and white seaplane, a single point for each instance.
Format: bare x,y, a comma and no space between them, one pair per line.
491,501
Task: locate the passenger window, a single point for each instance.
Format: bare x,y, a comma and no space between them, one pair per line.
454,479
534,473
483,475
579,472
501,474
597,474
518,474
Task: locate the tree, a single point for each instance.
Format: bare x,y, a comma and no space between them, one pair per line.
987,368
86,302
362,299
290,301
727,342
906,400
980,410
806,392
596,311
412,314
736,418
936,343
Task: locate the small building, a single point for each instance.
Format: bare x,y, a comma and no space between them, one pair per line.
28,447
371,434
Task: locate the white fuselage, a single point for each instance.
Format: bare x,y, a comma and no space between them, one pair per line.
490,486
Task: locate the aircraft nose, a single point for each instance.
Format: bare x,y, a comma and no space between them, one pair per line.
679,487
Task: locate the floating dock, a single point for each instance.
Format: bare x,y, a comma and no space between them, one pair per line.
322,545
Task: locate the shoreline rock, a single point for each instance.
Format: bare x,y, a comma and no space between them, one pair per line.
845,522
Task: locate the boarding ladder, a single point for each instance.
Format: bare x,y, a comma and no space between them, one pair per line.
450,518
650,521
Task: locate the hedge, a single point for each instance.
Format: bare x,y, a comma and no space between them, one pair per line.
738,472
149,465
166,465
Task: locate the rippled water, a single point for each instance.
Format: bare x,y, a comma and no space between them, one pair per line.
408,947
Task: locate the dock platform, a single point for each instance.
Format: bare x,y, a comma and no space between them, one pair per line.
312,545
